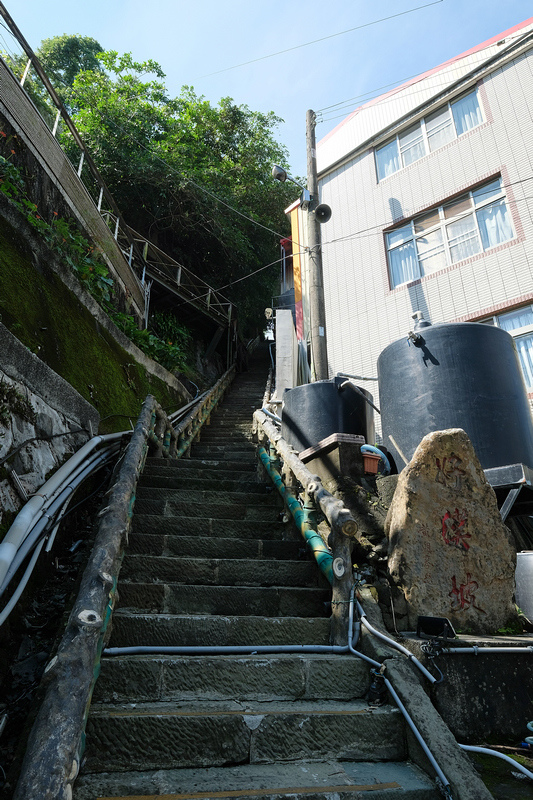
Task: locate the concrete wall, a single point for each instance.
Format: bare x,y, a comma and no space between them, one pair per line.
286,354
58,408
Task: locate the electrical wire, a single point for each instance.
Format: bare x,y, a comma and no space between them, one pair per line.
398,85
322,39
380,226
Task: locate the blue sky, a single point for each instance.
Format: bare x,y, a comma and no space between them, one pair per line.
191,40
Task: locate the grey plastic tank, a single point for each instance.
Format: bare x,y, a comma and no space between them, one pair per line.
314,411
457,375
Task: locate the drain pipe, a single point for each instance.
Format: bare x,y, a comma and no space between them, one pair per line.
26,517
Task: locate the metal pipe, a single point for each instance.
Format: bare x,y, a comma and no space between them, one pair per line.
355,377
296,649
394,644
487,751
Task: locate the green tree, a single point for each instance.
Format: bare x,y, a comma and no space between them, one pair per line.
64,56
176,165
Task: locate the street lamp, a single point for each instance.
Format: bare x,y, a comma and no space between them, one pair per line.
316,214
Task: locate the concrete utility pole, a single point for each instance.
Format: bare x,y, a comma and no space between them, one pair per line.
316,287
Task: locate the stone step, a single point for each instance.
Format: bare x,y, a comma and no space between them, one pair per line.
243,415
306,780
199,471
217,547
255,677
207,496
210,526
221,571
204,483
167,506
159,466
238,452
230,428
208,734
227,441
131,630
266,601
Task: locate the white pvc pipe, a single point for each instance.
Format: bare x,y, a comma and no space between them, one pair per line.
477,651
25,518
425,748
6,611
42,519
487,751
394,644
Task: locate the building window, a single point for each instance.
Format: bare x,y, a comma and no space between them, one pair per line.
429,134
470,224
519,324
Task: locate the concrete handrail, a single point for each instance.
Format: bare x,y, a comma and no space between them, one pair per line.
343,537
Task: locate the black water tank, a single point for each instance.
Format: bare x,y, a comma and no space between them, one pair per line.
314,411
457,375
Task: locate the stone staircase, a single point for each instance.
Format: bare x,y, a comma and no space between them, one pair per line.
210,562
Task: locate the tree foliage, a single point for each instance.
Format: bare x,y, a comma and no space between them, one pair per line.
176,165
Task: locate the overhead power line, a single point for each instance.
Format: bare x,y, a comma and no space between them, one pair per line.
322,39
398,85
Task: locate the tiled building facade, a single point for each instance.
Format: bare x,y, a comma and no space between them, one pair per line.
431,189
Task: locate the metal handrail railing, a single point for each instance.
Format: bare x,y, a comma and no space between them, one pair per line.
137,251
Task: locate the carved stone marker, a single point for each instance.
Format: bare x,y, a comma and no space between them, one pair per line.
449,552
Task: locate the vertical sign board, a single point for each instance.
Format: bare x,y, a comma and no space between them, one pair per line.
297,271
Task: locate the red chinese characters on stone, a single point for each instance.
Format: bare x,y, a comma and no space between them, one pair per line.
449,473
454,529
463,596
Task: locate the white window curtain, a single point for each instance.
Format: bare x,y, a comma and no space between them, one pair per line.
439,129
412,145
462,238
403,264
466,113
524,345
494,224
388,160
516,319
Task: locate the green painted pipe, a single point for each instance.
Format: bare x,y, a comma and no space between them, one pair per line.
304,518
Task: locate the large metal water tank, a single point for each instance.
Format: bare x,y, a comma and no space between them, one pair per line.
457,375
314,411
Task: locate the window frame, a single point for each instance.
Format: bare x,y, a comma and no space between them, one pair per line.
421,124
516,333
443,225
